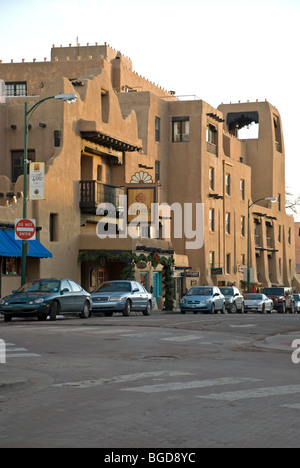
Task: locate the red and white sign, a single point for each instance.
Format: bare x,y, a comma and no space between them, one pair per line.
25,229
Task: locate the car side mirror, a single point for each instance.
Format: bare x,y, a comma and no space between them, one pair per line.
135,290
65,290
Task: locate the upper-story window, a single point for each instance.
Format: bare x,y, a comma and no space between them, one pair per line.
180,129
16,89
157,129
212,139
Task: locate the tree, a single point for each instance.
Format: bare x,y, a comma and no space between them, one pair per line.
292,203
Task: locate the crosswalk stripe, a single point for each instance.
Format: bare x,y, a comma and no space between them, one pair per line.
253,393
121,379
175,386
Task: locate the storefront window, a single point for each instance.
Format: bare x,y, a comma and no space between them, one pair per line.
11,266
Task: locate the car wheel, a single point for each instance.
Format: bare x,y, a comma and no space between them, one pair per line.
53,310
147,311
233,308
86,311
223,310
263,309
283,308
212,310
127,309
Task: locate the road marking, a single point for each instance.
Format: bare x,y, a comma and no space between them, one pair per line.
175,386
122,379
180,339
248,325
254,393
13,352
295,406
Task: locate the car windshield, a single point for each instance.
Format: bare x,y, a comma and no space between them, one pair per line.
274,291
121,286
200,292
227,291
254,297
297,297
49,286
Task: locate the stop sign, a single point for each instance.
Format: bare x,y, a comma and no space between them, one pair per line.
25,229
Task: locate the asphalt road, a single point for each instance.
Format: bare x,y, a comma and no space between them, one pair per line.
161,381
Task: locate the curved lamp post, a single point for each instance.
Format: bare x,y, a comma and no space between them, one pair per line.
271,199
70,99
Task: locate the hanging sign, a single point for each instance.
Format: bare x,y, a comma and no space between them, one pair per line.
37,181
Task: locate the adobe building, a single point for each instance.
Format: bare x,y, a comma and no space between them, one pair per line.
128,136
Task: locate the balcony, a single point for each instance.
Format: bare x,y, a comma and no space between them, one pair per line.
93,192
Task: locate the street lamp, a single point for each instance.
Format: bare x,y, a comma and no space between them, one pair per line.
271,199
70,99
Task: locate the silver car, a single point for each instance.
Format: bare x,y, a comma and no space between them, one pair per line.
121,296
234,301
258,303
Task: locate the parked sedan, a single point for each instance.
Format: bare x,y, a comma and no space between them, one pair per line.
258,303
122,296
234,301
46,297
203,299
297,303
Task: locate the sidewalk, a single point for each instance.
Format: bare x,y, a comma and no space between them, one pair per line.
279,342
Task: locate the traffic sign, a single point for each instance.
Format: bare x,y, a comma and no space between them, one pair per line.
25,229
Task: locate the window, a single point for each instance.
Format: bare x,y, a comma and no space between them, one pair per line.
53,227
289,235
180,129
228,266
16,89
279,233
243,259
227,223
105,106
75,287
157,129
242,188
228,184
243,226
212,219
277,130
211,175
279,201
18,163
65,285
157,171
212,139
211,259
11,266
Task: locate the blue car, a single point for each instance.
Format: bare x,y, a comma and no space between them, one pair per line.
121,296
203,299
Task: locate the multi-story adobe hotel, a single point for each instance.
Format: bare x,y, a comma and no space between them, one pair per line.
128,136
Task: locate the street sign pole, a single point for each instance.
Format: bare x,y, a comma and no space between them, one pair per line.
24,242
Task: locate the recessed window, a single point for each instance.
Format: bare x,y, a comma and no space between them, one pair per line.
180,129
212,139
17,158
212,219
157,129
211,175
228,184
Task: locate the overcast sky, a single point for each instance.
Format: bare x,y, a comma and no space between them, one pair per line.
219,50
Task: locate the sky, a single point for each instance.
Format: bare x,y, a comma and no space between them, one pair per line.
220,51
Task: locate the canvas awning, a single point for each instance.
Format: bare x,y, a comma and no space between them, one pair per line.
9,247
